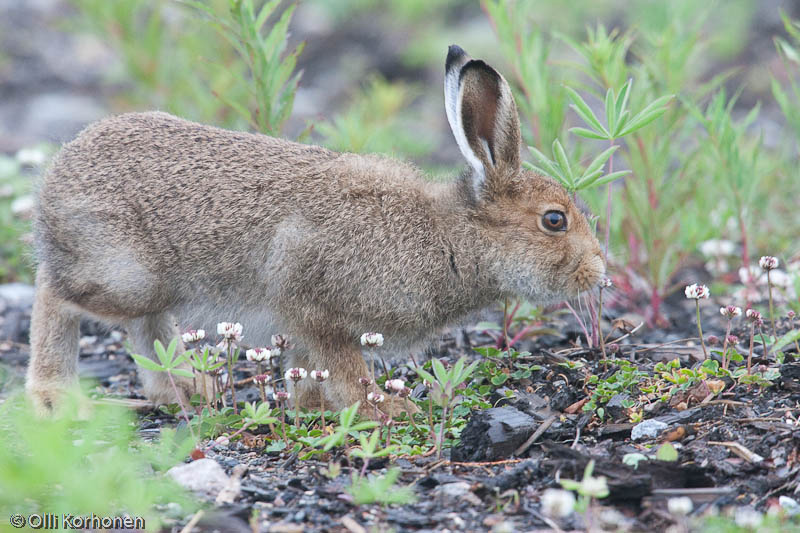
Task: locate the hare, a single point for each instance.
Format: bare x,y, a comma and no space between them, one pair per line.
157,223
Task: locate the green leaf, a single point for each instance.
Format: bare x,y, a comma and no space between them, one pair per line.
585,112
608,178
181,372
147,363
589,134
611,115
667,452
600,160
563,161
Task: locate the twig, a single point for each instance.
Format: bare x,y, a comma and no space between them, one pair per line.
536,434
193,522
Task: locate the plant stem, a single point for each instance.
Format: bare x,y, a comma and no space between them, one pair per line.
283,423
725,347
771,312
601,337
261,389
505,323
700,329
230,378
322,412
750,354
205,391
608,206
441,433
180,402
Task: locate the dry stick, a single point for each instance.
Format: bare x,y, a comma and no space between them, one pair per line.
536,434
505,324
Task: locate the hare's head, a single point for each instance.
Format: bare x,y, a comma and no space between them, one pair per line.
543,246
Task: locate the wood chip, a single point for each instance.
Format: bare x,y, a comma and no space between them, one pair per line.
352,526
741,451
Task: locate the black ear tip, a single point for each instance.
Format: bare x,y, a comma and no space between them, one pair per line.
454,53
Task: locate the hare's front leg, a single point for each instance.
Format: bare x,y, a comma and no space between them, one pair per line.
144,331
346,366
55,332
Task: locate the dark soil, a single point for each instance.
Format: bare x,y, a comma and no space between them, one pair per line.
736,449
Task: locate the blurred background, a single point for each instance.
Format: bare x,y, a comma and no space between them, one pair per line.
714,180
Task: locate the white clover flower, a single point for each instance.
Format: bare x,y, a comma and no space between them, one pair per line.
295,374
231,331
32,157
557,503
768,262
753,315
395,385
372,340
605,283
730,311
696,292
596,487
716,247
680,506
375,397
259,354
319,375
193,335
261,379
747,517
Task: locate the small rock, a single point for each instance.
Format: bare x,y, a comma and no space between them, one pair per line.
493,434
789,505
22,207
649,429
456,492
204,475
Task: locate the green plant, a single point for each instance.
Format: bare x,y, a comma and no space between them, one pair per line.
626,379
588,489
370,449
170,364
443,386
270,79
347,425
46,465
380,489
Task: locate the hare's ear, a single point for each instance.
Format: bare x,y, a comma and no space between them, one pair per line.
482,114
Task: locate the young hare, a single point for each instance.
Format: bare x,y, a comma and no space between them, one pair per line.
155,223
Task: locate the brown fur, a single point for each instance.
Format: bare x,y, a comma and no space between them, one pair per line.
147,220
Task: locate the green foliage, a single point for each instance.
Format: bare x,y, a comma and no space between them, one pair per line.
380,489
269,79
16,183
47,465
377,120
347,426
170,361
626,379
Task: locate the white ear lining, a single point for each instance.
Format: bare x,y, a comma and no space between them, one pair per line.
453,96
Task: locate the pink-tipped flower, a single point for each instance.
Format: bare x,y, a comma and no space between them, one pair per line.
605,283
768,262
281,342
791,314
365,382
732,339
372,340
319,375
259,354
261,379
193,335
697,292
405,393
753,315
375,397
282,396
230,331
730,311
395,385
295,374
712,340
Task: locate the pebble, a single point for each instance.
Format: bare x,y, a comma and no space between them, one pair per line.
17,294
649,429
204,475
458,491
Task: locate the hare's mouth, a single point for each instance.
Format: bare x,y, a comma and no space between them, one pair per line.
589,272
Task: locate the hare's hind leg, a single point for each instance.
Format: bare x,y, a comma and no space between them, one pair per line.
143,332
55,332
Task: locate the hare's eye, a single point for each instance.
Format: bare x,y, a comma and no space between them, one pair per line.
555,221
